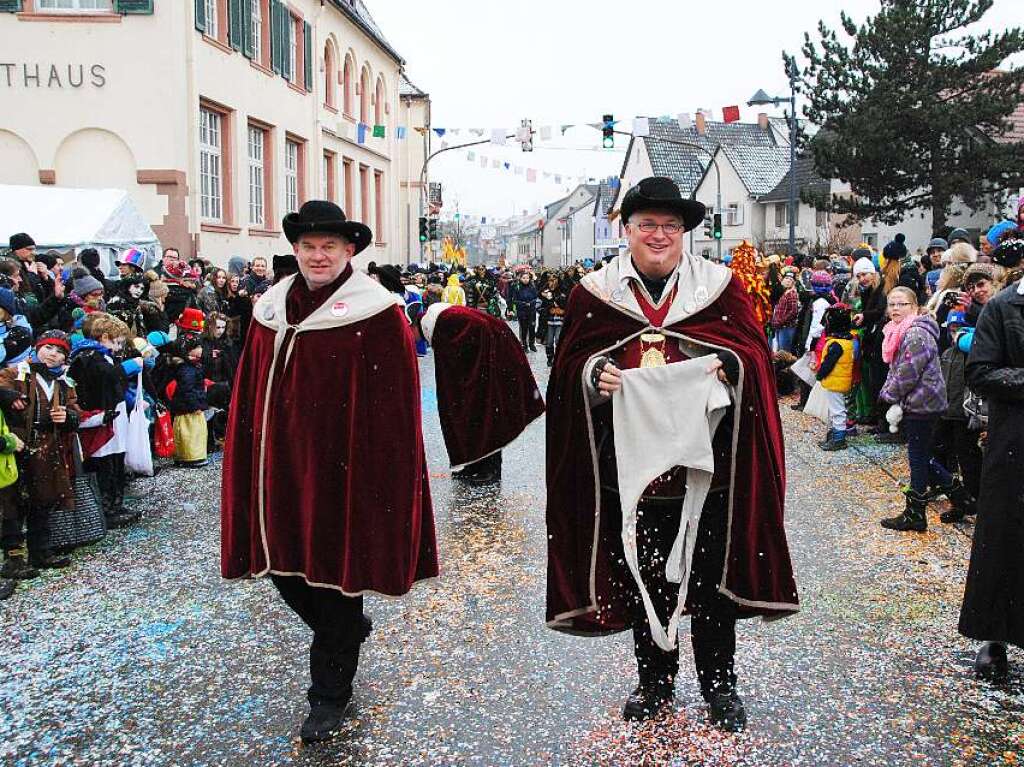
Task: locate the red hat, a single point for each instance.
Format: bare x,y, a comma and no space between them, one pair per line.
191,319
54,338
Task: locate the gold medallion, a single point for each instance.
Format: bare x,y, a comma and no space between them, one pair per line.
653,354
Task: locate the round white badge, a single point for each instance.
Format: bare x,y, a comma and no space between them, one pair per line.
268,312
339,308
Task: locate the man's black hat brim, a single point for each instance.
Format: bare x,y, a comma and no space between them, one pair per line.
661,194
323,217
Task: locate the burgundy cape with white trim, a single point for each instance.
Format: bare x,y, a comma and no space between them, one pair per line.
486,392
346,500
583,592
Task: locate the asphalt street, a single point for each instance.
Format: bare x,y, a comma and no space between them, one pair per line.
140,654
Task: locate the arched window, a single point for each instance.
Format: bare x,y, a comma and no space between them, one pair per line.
347,81
379,100
364,96
330,78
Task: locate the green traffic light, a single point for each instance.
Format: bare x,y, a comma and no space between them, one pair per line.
423,238
608,142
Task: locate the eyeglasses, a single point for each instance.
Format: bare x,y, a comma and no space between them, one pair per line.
669,229
900,306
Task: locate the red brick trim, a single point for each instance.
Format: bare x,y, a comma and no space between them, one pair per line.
329,108
264,232
173,232
71,18
227,153
219,45
262,68
47,177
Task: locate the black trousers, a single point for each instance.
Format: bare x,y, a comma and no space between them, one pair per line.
111,478
527,329
713,616
25,523
956,448
339,628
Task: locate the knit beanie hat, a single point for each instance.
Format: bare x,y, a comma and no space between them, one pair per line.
821,279
85,285
979,272
863,266
48,259
959,234
7,301
862,251
897,249
19,241
1010,252
56,338
90,258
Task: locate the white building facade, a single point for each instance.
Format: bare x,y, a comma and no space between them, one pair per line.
217,116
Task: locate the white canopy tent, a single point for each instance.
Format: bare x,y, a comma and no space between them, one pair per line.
65,219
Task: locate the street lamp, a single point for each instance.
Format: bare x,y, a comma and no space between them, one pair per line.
761,99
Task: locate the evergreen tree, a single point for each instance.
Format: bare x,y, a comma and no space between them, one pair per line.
910,113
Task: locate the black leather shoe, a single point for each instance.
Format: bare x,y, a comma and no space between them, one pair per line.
991,664
323,721
50,562
726,712
646,703
6,588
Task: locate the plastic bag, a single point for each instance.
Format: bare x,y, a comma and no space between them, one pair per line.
817,403
138,457
163,435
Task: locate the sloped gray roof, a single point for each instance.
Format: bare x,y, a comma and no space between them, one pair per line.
553,207
407,88
807,180
759,168
686,166
357,11
606,194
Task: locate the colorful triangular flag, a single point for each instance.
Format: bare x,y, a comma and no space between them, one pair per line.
683,118
495,164
730,114
400,132
507,165
361,133
641,126
471,156
566,127
378,131
477,131
531,175
454,131
545,133
440,132
483,161
498,136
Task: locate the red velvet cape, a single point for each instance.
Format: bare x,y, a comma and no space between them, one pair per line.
759,574
347,500
486,392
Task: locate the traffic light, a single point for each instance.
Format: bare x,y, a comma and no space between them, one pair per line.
608,132
717,227
432,231
709,223
424,233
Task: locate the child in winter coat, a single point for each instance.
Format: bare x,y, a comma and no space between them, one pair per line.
10,444
839,358
41,408
100,382
188,406
910,347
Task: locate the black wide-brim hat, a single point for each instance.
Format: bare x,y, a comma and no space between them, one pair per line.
658,193
324,217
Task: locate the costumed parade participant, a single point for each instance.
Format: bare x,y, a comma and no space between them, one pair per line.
315,493
665,466
486,392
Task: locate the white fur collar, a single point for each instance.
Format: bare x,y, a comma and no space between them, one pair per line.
359,298
699,281
429,320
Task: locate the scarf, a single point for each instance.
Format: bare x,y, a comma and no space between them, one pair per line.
892,336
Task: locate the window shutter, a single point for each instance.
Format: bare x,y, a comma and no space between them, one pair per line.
134,6
247,11
235,24
286,37
275,37
307,36
10,6
200,15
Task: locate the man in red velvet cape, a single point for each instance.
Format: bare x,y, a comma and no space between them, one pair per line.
486,392
656,305
325,486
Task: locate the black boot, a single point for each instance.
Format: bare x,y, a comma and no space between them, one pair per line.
913,518
16,566
656,670
647,701
6,588
961,502
50,561
991,663
726,712
486,471
332,670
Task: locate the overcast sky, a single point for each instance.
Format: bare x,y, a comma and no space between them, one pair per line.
489,65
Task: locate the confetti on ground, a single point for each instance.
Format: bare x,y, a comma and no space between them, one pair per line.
139,654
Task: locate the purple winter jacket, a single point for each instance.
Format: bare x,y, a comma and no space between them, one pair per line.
915,379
